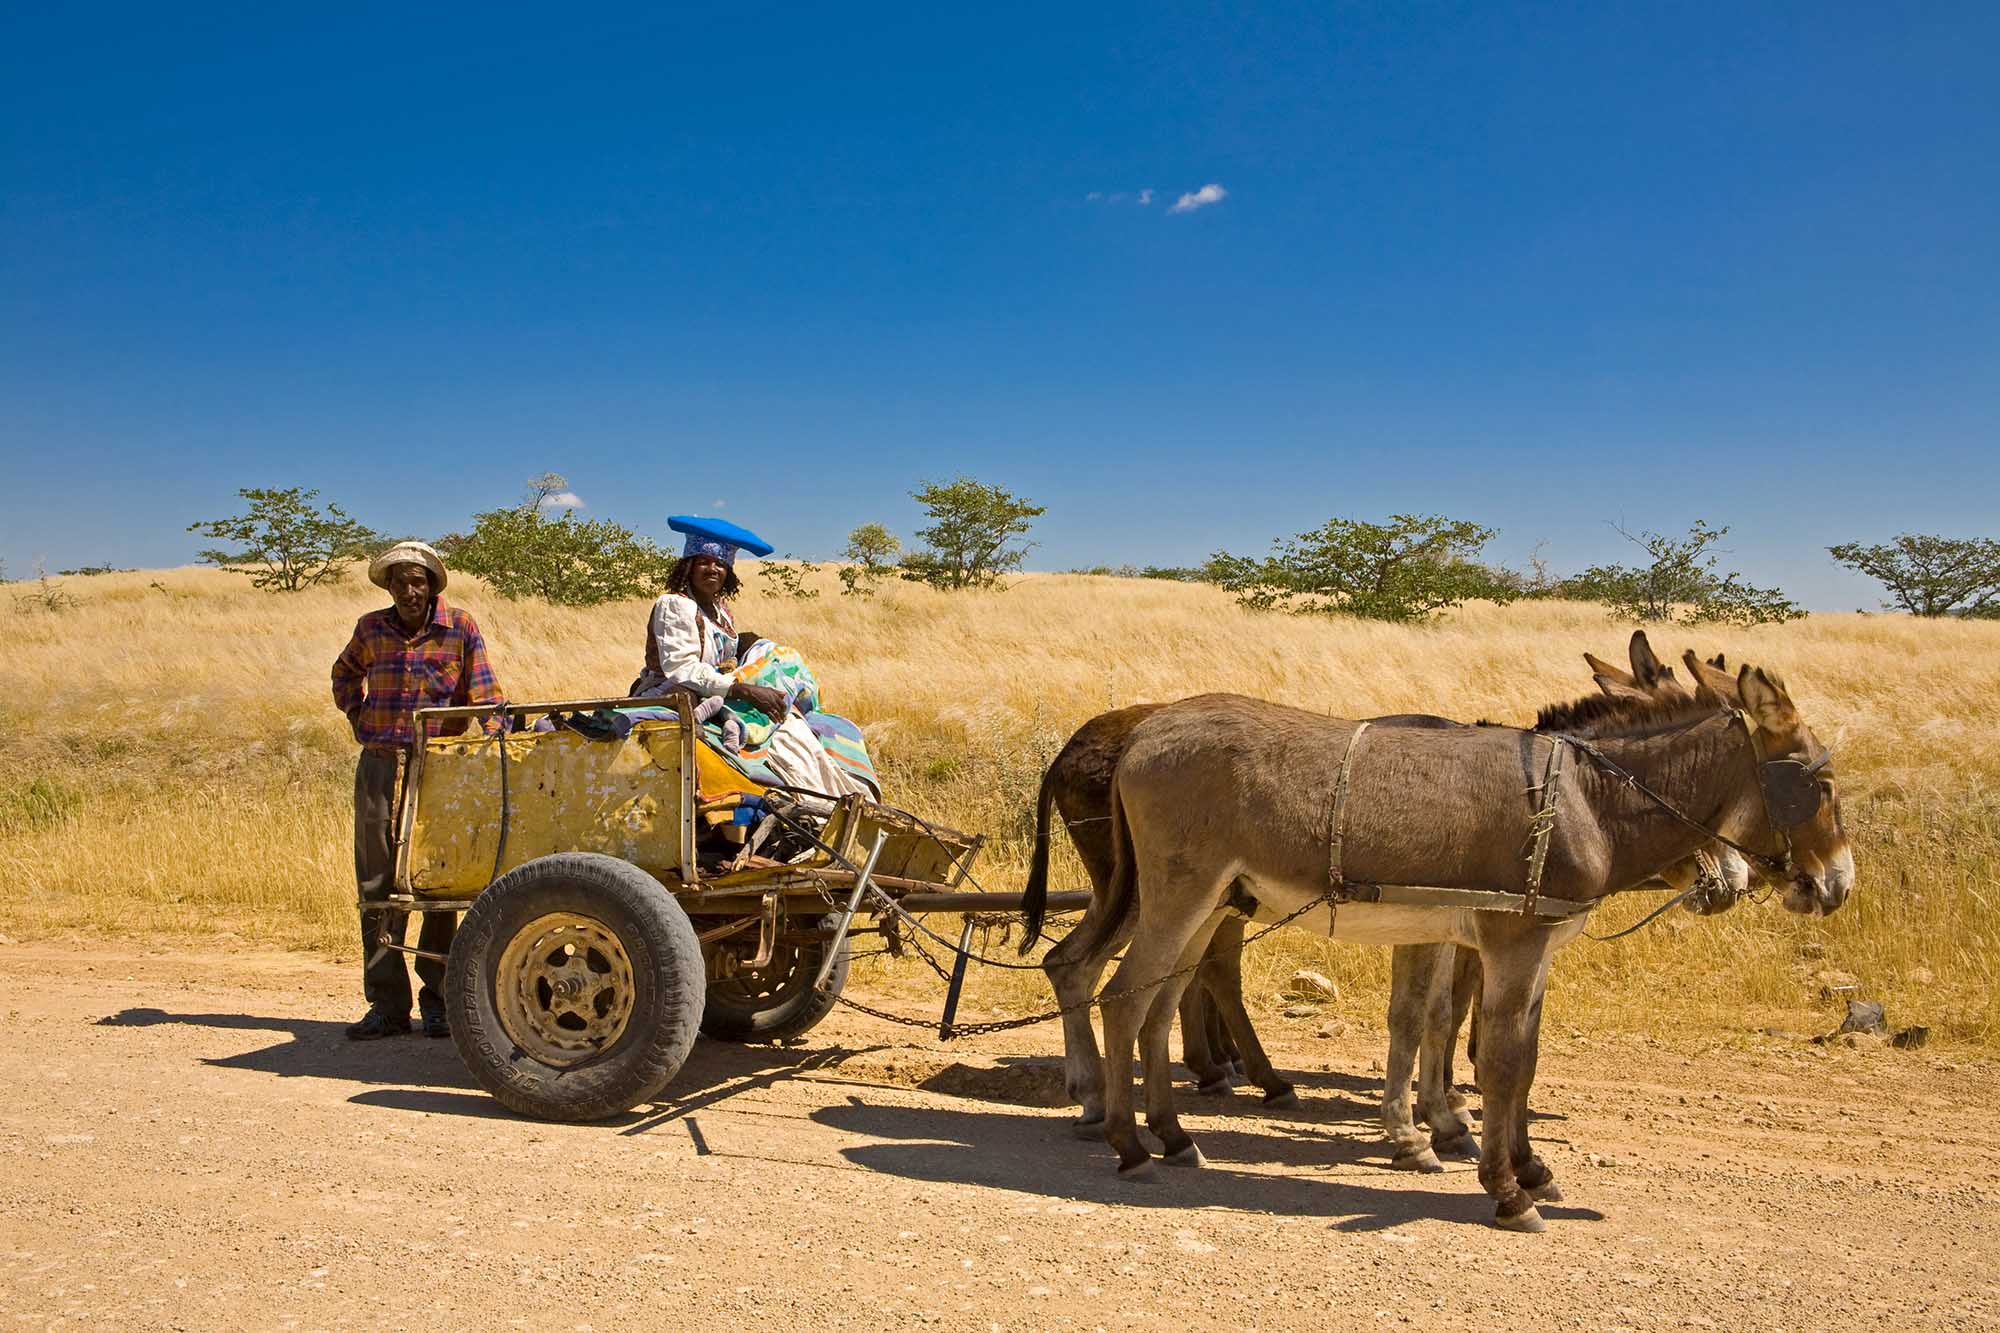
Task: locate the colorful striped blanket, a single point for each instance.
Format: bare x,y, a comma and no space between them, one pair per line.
784,669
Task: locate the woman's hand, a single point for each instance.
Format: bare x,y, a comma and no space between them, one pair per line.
771,703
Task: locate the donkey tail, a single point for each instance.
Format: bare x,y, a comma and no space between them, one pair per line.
1035,898
1110,908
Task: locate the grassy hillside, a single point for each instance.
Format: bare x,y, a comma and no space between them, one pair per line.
170,760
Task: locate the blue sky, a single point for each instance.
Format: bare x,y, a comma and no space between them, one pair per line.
1544,266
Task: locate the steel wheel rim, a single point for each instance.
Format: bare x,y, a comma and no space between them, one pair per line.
564,988
776,983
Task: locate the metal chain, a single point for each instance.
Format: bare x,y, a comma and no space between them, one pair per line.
1008,1024
895,908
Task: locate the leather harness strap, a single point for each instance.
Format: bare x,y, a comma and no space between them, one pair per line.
1337,832
1479,900
1531,903
1544,823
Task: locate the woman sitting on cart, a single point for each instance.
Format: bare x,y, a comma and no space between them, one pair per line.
692,644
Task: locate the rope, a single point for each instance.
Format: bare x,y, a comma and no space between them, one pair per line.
1772,864
1651,916
506,804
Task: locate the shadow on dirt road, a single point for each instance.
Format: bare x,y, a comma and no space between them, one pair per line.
315,1048
1030,1153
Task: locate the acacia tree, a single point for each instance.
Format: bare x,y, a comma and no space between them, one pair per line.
871,553
966,545
1932,576
287,543
1680,584
524,552
786,577
1407,569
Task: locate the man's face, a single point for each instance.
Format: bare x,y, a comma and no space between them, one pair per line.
410,585
707,575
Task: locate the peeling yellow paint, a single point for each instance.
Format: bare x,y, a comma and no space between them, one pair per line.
566,793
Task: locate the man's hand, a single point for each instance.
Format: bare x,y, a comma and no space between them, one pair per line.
771,703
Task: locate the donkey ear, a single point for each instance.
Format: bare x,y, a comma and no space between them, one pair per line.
1764,696
1646,668
1719,683
1630,694
1705,692
1608,675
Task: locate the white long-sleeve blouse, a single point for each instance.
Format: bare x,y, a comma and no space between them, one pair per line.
686,647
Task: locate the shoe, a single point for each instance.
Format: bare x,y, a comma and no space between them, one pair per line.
436,1024
378,1023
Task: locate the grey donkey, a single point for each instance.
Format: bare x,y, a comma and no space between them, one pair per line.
1221,793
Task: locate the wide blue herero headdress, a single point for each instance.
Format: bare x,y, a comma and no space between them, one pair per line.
717,537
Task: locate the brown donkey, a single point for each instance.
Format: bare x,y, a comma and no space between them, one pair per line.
1432,984
1221,791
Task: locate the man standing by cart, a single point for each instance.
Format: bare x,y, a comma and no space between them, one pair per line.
416,653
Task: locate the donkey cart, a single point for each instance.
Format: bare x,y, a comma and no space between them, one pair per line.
626,888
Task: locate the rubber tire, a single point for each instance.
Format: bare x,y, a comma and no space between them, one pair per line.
667,983
791,1017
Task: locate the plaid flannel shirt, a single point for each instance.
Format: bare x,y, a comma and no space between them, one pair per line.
385,673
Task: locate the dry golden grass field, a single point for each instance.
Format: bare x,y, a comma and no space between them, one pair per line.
171,762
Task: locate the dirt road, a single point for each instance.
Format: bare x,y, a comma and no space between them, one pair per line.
190,1143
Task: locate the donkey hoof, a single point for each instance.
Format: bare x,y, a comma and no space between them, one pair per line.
1215,1087
1460,1147
1529,1221
1188,1156
1283,1097
1087,1129
1546,1192
1420,1159
1143,1170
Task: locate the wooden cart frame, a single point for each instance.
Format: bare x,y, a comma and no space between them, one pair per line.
769,938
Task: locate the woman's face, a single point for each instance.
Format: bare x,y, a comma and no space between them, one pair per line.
706,575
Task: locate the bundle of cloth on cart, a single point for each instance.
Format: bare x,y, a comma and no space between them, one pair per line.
812,750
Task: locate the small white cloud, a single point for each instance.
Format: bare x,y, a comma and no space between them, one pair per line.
562,500
1202,198
720,504
1094,196
1145,197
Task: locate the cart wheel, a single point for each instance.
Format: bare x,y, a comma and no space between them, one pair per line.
777,1001
575,987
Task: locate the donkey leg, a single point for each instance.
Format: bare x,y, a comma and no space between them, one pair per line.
1409,995
1225,1041
1219,1040
1164,933
1465,978
1121,1025
1199,1050
1073,975
1450,1134
1162,1118
1515,962
1223,972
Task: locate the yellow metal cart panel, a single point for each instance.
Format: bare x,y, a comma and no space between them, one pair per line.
566,793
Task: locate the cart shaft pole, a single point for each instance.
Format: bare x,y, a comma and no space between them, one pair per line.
957,981
853,905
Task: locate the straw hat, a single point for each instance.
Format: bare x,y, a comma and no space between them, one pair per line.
407,553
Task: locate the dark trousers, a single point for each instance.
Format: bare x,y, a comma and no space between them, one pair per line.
384,980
